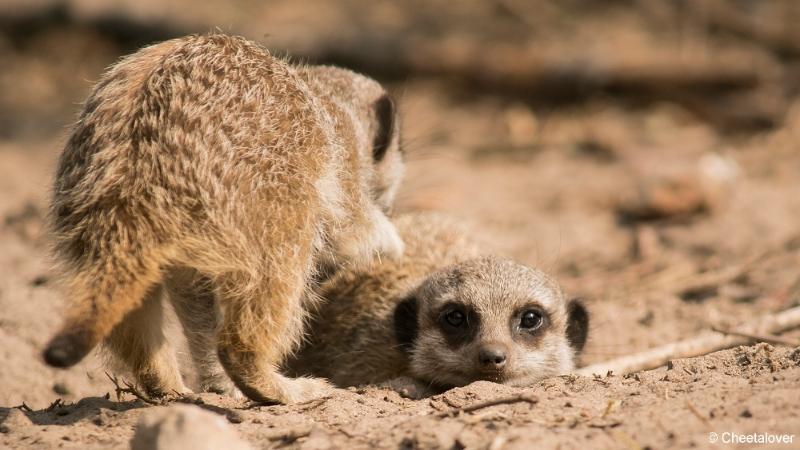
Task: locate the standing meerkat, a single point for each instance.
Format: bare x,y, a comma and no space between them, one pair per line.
208,169
442,316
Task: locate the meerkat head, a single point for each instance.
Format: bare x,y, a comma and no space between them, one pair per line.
489,319
375,121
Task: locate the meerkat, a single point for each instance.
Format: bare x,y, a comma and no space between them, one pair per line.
206,170
441,316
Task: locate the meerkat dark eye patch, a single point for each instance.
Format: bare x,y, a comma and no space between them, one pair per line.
384,115
577,324
459,325
527,324
406,327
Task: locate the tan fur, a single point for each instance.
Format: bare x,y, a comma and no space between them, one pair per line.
211,167
352,339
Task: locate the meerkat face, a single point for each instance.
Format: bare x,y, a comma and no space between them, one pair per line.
375,123
489,319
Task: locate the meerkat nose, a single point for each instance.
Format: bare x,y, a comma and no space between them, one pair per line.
492,357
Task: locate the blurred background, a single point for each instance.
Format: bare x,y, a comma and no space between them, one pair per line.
642,151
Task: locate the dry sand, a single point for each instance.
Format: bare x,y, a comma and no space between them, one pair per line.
664,221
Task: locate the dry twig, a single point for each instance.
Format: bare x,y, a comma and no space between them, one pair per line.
289,436
703,344
713,279
129,389
698,414
311,404
489,403
766,337
56,404
609,407
23,407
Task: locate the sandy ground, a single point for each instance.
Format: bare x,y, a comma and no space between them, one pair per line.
744,390
567,188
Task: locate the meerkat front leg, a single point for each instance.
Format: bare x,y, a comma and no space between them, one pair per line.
139,343
410,388
259,329
373,237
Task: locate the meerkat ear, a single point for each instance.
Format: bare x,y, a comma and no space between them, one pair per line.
406,327
577,324
384,115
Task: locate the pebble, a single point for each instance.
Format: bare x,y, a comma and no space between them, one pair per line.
185,427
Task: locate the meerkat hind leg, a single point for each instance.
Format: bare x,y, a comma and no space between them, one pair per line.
192,296
257,335
138,341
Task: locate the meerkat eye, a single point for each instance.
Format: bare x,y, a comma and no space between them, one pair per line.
530,320
455,318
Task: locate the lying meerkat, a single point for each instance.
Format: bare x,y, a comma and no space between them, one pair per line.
208,169
442,316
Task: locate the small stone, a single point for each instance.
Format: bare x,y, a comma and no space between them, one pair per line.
234,416
40,280
184,427
61,389
647,319
103,417
746,414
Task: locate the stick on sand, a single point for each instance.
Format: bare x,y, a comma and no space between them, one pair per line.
701,345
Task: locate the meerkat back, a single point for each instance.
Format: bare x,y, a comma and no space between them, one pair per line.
208,154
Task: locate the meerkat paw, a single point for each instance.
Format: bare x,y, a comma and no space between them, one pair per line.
299,390
228,391
386,241
409,388
161,392
276,388
160,386
378,239
221,385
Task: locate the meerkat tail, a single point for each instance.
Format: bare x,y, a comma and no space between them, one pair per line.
99,298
